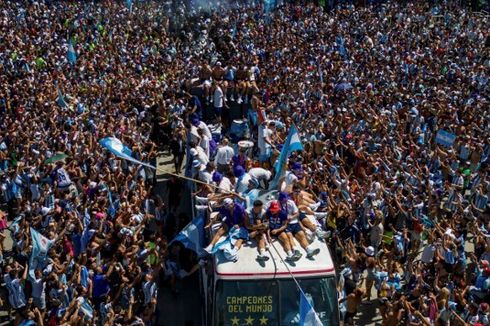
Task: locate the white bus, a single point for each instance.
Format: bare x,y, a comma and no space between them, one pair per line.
248,293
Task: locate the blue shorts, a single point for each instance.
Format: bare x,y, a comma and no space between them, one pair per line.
294,228
217,111
302,216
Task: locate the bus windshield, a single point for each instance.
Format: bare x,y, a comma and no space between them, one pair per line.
273,302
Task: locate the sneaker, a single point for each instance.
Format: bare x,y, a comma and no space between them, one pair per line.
232,98
289,258
322,234
315,206
239,101
262,258
297,255
312,253
320,215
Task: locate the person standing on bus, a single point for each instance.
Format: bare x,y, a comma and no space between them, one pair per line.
232,216
278,223
254,222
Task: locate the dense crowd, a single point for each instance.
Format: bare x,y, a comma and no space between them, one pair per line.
403,206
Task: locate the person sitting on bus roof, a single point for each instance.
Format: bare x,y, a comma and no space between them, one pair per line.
232,216
295,228
257,227
304,220
278,223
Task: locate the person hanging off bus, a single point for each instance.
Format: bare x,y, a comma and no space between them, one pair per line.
257,228
295,229
314,228
232,216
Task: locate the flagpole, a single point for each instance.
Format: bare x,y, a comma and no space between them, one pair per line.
290,273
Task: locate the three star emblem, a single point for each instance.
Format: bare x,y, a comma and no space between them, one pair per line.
248,321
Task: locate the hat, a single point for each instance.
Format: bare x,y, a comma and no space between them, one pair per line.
274,207
238,171
193,151
217,177
195,121
486,271
227,202
369,251
283,196
484,263
45,211
196,163
296,166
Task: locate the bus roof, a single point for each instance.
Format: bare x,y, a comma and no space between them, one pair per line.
247,267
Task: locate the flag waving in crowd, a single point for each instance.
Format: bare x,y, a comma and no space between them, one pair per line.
293,143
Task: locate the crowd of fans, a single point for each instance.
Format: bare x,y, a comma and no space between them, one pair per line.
368,88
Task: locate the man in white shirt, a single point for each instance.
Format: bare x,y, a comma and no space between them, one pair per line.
260,176
206,175
242,179
265,143
218,102
223,157
224,184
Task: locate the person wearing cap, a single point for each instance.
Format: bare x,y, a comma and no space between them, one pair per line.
257,227
278,224
231,215
223,183
242,179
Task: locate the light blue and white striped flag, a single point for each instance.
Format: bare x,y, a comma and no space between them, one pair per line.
40,248
71,54
307,314
192,236
61,100
293,143
116,147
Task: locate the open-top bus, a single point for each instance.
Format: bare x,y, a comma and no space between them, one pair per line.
246,292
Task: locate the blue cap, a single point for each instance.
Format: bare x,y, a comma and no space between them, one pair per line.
217,177
296,166
283,196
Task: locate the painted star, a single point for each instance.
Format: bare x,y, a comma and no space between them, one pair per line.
263,320
235,321
249,320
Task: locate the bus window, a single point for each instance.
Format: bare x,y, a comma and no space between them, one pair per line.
246,303
323,293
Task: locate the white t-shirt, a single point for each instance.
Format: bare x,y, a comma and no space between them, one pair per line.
202,125
201,155
289,180
260,173
242,183
218,97
225,185
291,209
206,176
224,155
263,134
63,178
428,254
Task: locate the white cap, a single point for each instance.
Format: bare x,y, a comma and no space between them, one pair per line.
193,152
228,201
196,163
45,211
369,251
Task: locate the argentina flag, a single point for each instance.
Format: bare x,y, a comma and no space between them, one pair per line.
116,147
40,248
293,143
307,315
71,54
